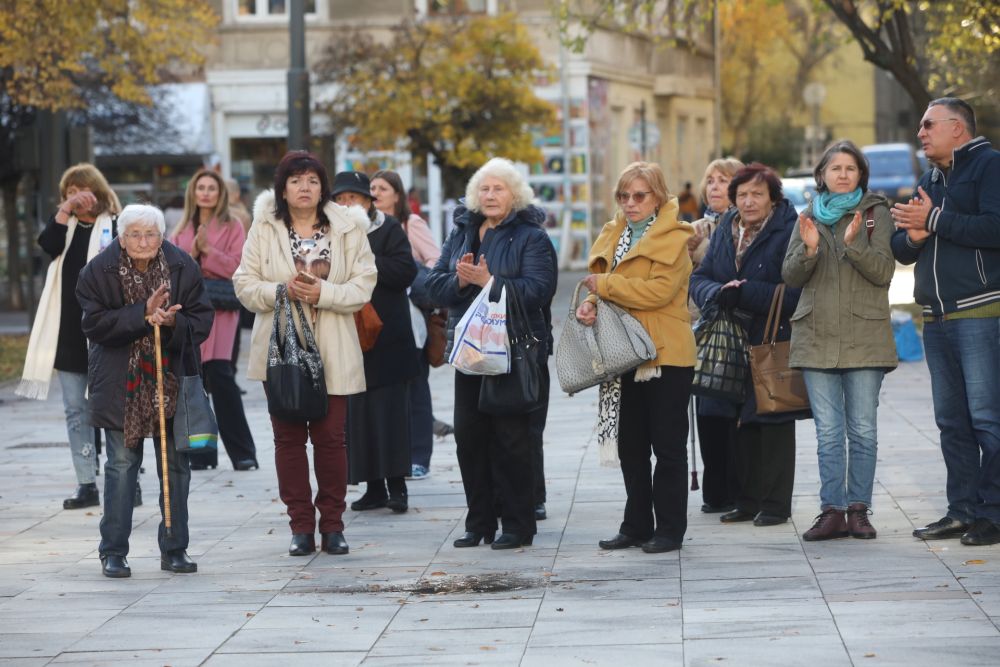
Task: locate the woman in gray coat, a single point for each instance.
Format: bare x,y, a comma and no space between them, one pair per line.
839,255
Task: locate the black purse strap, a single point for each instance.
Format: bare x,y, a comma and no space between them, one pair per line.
521,332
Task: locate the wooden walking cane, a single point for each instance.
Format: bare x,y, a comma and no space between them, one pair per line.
694,457
165,477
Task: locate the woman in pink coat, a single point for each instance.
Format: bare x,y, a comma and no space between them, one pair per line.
215,240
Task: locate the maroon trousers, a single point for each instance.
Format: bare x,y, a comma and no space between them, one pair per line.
329,461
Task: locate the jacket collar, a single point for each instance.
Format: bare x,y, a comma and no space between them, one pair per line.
108,259
962,154
529,215
342,219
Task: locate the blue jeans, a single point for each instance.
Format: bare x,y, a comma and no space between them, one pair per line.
964,360
845,400
120,476
78,428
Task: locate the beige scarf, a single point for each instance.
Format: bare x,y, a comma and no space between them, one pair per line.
41,357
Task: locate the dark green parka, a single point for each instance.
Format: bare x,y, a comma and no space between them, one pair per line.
842,318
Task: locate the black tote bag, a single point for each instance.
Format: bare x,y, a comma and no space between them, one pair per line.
296,384
518,391
723,361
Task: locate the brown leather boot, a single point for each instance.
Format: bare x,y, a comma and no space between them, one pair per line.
857,522
829,525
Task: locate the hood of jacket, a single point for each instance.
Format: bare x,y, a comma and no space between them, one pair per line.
529,215
657,244
342,218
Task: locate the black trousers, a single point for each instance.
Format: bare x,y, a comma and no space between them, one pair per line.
717,442
765,463
536,429
220,382
654,416
495,458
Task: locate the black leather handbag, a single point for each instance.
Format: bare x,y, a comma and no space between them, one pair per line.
296,384
518,391
222,294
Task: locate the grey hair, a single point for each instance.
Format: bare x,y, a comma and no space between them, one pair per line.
141,214
504,170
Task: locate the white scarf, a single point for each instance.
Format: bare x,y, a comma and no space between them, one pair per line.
41,357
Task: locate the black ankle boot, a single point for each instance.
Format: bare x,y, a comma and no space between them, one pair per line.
86,495
374,497
472,540
334,543
302,544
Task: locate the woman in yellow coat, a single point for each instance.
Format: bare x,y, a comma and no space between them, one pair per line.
640,262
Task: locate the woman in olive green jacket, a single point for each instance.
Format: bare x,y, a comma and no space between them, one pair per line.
841,334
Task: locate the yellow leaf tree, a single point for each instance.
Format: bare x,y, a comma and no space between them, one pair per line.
50,49
460,89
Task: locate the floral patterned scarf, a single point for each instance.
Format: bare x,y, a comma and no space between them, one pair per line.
142,412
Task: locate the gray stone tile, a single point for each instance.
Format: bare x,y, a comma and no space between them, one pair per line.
443,614
614,589
934,649
584,623
177,657
35,644
962,617
473,643
611,655
300,659
774,588
791,651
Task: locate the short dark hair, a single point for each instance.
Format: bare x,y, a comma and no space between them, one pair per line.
293,164
842,146
960,107
402,210
755,171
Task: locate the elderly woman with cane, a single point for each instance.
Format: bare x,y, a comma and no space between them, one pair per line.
138,284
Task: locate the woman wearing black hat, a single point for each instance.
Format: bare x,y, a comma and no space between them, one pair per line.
378,422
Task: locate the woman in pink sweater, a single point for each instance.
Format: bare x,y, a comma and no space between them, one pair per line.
215,241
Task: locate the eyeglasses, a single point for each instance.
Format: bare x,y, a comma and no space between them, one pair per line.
928,123
638,197
149,237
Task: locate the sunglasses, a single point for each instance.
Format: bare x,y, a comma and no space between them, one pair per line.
638,197
928,123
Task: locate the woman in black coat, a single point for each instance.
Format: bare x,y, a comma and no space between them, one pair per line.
139,281
498,236
741,271
378,421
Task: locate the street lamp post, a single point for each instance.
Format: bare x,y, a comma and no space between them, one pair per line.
298,79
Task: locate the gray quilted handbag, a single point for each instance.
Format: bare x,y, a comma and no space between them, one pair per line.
587,356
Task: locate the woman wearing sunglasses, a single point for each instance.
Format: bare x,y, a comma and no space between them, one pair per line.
640,262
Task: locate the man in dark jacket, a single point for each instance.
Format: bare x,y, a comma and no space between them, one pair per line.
951,229
123,294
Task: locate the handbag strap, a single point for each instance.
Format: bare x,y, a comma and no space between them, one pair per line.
522,329
774,315
575,303
589,337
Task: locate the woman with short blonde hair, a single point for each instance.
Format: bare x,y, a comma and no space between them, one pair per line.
640,263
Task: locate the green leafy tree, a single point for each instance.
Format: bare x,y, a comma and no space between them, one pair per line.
460,89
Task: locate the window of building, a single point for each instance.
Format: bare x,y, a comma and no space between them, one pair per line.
453,7
268,8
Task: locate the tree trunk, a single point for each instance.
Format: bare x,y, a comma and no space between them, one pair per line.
15,278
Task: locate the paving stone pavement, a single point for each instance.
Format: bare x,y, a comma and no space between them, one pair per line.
734,595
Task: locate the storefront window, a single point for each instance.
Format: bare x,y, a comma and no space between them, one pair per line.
265,8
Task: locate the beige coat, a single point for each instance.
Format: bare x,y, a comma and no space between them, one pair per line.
267,262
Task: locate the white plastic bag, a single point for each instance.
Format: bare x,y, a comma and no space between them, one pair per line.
481,346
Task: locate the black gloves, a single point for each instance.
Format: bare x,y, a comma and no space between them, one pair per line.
728,297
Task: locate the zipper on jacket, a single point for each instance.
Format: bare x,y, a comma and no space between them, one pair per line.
937,286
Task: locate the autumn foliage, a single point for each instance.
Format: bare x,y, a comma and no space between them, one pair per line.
460,89
49,49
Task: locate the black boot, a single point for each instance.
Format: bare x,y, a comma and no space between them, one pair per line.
178,562
115,567
334,543
86,495
398,500
374,497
